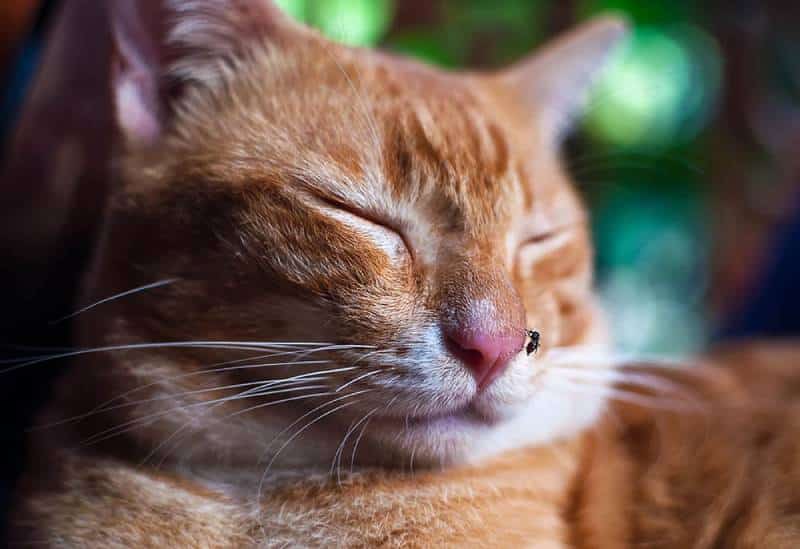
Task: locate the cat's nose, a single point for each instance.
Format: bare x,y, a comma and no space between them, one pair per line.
485,356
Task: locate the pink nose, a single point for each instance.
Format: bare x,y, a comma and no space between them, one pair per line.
486,356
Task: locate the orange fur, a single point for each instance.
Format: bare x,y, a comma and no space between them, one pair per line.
302,191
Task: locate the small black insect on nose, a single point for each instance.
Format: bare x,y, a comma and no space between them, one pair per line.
533,344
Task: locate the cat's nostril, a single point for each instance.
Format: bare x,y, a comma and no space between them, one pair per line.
485,356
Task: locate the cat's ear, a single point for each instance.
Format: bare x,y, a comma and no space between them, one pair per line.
553,84
164,46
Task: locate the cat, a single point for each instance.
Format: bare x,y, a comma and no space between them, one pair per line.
338,254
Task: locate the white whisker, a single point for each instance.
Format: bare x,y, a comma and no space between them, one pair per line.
217,368
598,355
301,431
619,376
575,386
235,414
154,416
116,296
290,426
364,429
261,384
226,345
357,379
337,458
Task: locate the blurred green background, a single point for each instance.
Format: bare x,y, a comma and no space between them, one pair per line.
669,231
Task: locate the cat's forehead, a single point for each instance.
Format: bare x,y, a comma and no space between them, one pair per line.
450,147
360,128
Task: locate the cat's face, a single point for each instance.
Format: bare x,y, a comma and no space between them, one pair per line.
305,192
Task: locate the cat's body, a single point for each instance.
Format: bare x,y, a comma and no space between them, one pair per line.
349,250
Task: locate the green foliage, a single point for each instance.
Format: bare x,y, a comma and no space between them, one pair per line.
353,22
649,12
428,45
295,8
474,33
659,90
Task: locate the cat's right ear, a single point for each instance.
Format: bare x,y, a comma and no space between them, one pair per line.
553,84
163,47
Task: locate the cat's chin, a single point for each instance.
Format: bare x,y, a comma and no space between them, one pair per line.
483,412
466,417
479,430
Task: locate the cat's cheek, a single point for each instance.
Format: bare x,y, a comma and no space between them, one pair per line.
543,315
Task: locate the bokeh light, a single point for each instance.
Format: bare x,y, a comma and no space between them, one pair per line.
294,8
653,254
660,89
352,22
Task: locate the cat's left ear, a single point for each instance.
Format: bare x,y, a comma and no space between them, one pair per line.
162,48
553,84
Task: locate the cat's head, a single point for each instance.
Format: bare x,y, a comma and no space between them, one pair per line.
302,191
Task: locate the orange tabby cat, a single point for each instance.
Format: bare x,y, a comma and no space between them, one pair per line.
347,249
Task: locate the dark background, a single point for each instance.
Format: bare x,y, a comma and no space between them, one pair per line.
689,158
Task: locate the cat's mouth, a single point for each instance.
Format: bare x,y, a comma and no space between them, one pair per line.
467,415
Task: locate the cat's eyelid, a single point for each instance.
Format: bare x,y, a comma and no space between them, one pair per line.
355,211
550,233
337,204
532,250
539,237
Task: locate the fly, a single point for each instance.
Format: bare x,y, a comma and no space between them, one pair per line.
533,344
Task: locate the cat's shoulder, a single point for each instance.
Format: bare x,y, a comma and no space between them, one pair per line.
705,456
80,501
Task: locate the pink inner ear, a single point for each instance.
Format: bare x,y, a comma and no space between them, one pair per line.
200,33
137,114
137,68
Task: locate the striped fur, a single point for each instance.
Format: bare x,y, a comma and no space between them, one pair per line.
303,192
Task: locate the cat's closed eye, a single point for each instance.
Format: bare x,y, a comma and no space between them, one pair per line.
541,237
534,246
382,233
